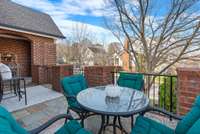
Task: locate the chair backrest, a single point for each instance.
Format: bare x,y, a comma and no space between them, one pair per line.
195,129
72,85
131,80
186,124
8,125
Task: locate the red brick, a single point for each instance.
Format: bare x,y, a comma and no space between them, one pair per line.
36,51
58,72
99,75
21,49
188,88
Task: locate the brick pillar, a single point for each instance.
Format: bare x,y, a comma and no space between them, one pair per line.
99,75
41,74
58,72
38,73
188,88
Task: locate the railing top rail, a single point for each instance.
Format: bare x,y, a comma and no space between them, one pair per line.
150,74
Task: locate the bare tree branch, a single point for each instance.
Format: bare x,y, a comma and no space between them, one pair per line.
163,39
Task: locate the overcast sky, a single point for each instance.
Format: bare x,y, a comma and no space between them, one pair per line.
67,13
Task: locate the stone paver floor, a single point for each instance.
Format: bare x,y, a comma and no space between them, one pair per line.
36,115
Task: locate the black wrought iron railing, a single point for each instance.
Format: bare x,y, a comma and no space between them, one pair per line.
161,89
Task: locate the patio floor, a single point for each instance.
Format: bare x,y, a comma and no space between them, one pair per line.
36,115
35,95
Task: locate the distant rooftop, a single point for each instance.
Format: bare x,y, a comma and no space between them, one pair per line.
97,49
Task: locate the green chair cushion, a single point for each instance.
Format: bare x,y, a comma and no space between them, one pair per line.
195,129
5,127
130,74
83,131
10,123
72,127
189,119
145,125
131,80
72,85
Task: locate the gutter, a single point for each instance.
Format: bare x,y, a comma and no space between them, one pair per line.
28,31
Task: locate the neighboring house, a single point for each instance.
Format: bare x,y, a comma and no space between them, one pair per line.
27,37
117,58
85,55
123,59
94,55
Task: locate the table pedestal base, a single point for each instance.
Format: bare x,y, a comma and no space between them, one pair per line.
116,124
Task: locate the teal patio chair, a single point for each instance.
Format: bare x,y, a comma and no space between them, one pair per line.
72,85
131,80
189,124
8,125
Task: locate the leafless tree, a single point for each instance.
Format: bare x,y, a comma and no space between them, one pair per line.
164,32
64,52
114,47
75,50
81,33
81,37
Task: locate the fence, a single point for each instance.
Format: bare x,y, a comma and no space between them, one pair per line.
161,90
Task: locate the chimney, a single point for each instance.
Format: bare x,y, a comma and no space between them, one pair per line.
128,57
126,44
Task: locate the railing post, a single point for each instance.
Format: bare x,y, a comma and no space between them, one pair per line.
113,77
171,95
164,92
159,91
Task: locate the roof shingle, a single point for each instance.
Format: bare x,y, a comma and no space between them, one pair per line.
13,15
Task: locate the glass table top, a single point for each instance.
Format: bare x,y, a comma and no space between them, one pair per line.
129,102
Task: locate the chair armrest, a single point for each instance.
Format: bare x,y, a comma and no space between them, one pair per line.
18,78
72,97
154,109
50,122
14,78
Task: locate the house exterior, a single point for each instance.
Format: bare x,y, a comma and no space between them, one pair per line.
94,55
123,59
27,37
117,58
88,54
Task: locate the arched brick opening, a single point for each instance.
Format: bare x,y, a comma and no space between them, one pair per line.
41,52
15,50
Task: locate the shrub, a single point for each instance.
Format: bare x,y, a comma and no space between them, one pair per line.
164,97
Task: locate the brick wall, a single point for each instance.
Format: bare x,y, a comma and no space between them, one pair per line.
99,75
58,72
43,50
51,74
188,88
42,74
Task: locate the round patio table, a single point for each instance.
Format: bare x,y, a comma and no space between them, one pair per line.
128,103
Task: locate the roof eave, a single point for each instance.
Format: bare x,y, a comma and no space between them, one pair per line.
23,30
